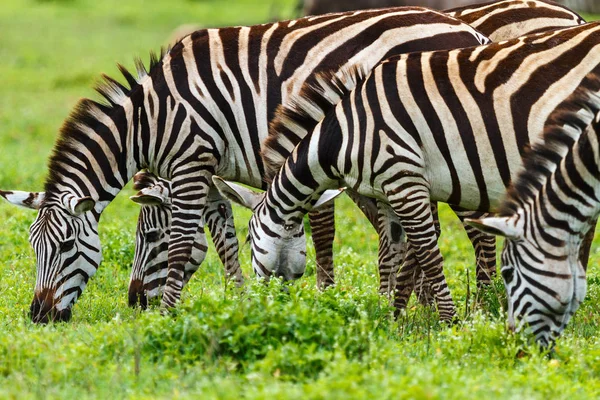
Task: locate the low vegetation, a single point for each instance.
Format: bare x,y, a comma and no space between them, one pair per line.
264,341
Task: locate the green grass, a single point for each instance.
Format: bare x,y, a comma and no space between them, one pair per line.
258,343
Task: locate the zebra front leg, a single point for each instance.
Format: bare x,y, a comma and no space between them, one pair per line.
484,246
412,278
586,245
189,197
415,212
219,218
322,223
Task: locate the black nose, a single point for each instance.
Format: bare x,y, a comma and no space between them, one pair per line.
62,315
42,306
287,275
42,309
137,294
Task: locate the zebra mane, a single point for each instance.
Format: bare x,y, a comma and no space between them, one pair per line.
564,127
86,111
303,112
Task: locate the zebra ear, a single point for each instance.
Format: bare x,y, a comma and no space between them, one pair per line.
147,199
32,200
237,193
509,227
80,205
151,196
328,195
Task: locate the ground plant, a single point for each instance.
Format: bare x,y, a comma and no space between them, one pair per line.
264,341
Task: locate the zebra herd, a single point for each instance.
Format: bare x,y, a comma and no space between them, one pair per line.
492,108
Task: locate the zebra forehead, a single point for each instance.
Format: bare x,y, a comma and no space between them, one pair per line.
51,222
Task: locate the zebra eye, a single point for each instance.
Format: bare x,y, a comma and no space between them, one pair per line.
152,236
229,235
289,227
67,245
508,274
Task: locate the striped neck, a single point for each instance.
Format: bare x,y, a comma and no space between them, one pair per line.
569,199
303,178
100,145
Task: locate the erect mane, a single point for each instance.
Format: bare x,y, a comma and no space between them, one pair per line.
563,128
86,111
304,111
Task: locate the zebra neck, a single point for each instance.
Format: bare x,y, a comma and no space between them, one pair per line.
570,198
95,155
294,192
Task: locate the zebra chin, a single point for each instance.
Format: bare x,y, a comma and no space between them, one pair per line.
43,309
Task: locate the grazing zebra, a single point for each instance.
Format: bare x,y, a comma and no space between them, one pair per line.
149,269
200,109
522,17
447,126
548,210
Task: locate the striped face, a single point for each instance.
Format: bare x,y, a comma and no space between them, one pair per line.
149,271
277,238
278,247
150,263
545,285
65,240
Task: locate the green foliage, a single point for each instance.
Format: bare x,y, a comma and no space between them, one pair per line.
264,341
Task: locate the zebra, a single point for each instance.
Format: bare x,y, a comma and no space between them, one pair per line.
200,108
521,17
547,212
390,138
149,270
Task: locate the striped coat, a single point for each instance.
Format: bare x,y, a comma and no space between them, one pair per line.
412,132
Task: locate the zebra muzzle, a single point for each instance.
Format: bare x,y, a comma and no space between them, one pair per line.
137,294
43,308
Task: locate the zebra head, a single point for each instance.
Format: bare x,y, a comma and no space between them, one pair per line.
65,240
150,262
277,242
544,286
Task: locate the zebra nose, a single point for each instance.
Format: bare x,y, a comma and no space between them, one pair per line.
42,306
137,294
280,273
62,315
511,326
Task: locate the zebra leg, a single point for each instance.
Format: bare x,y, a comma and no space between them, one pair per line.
586,245
322,224
219,218
414,210
406,279
412,278
484,246
189,196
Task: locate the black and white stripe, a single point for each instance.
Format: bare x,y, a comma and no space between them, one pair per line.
549,210
203,108
149,270
522,17
412,132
